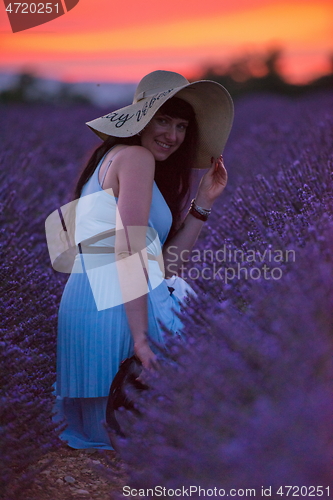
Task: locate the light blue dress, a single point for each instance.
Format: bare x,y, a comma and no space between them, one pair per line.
93,334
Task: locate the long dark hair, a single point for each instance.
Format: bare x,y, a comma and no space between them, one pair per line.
172,175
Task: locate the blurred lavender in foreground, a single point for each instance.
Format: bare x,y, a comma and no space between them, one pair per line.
245,400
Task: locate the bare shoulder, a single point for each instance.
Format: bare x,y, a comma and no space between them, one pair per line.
138,155
135,175
135,167
130,165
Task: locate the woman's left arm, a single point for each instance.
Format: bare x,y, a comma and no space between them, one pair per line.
178,249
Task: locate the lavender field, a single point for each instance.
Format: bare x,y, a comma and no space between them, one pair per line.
244,400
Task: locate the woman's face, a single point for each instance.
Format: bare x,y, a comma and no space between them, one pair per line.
163,135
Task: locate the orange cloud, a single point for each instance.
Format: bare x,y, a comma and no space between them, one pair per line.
283,23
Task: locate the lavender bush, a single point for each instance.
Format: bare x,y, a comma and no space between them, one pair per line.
244,399
37,164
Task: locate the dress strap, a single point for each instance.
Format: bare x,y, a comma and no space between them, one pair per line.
109,163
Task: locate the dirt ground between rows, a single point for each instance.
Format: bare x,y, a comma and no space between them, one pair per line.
72,475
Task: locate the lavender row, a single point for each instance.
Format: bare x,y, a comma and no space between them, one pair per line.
41,149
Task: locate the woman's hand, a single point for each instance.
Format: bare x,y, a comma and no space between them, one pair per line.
145,354
212,183
211,186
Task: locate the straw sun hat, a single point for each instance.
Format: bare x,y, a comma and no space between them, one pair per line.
211,102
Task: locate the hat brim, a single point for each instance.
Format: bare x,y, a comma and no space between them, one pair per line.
212,105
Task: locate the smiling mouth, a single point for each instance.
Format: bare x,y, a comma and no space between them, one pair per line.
163,145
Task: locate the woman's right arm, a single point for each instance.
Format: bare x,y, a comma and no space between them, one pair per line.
135,168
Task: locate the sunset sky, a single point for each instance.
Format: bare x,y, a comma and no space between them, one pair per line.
122,40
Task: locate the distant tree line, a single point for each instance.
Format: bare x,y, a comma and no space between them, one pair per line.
250,73
254,73
26,90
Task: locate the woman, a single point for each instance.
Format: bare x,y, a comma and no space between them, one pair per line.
131,196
